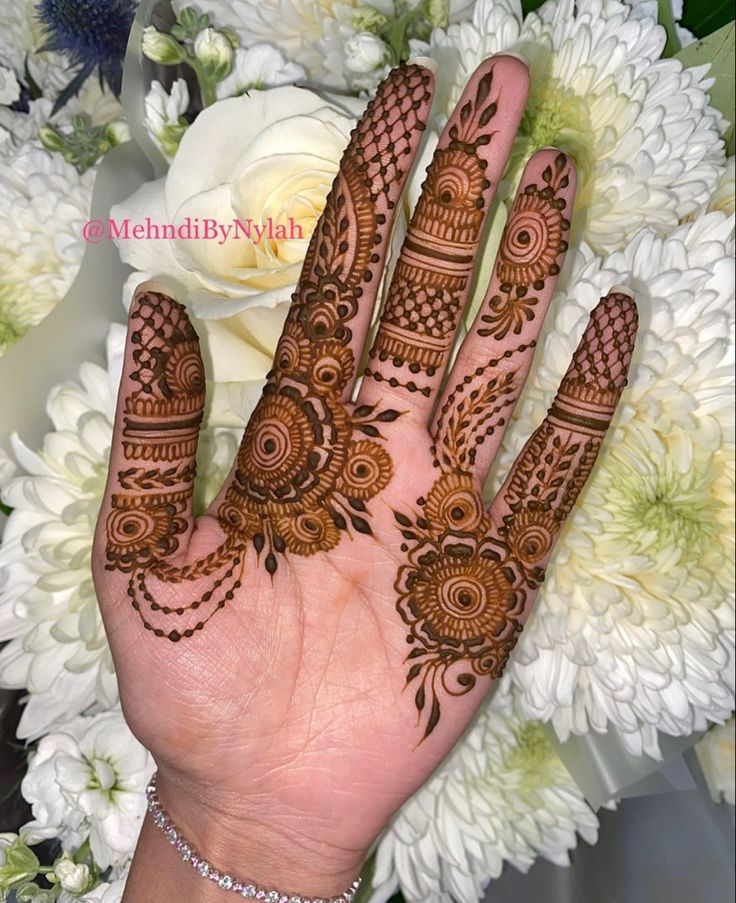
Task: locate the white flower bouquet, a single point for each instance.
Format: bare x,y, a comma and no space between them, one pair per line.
245,109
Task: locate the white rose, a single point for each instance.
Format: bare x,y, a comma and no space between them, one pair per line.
213,49
73,877
365,52
267,157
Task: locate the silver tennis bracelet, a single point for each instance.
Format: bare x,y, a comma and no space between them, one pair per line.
250,891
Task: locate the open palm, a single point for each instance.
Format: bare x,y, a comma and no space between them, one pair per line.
304,655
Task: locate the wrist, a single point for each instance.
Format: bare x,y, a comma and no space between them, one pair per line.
241,838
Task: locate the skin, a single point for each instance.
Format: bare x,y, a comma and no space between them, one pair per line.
301,658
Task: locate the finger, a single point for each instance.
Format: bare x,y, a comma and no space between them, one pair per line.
530,509
432,280
494,359
331,310
146,514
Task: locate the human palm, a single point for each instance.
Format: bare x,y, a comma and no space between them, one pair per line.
305,654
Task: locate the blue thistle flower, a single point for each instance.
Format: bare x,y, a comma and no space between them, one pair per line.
93,34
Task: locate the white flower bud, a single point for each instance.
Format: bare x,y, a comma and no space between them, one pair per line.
161,48
73,877
365,52
214,50
117,132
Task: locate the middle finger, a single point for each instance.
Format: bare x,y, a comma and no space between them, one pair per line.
433,275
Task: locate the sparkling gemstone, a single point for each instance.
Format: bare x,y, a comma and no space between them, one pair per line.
225,882
248,891
295,900
171,835
186,853
160,819
203,868
273,896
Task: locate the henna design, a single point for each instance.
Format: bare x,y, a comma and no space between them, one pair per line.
433,273
529,253
469,577
309,462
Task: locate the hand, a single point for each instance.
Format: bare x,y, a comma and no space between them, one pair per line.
301,658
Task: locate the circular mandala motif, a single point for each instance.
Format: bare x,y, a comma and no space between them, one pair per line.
292,350
531,242
184,374
531,535
367,470
331,366
292,453
138,532
308,532
454,504
455,598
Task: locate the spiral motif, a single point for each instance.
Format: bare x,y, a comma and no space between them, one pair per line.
454,503
531,243
455,179
292,452
454,596
308,532
331,366
367,471
184,372
531,535
136,527
291,350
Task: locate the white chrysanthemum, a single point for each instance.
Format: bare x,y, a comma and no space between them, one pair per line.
48,607
502,796
646,143
86,780
18,129
724,198
21,36
633,626
44,203
717,756
260,66
9,87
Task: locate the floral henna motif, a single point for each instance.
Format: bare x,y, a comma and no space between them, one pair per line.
469,579
433,274
530,252
160,427
309,461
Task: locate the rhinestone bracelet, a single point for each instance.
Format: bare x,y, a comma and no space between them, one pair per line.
250,891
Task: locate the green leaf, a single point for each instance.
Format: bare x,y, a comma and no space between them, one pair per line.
528,6
667,21
5,509
718,50
703,17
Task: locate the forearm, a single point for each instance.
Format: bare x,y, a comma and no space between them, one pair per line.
247,850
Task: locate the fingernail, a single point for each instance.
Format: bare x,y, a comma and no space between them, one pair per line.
426,61
151,285
622,290
516,55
